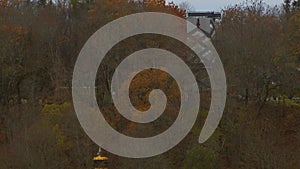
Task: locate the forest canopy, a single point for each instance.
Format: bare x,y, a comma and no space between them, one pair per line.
40,41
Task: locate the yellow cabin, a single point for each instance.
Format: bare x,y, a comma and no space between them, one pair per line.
100,162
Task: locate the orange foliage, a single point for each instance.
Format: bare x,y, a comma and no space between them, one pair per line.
17,32
118,8
146,81
3,3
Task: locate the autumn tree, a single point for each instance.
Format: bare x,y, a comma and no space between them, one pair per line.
249,36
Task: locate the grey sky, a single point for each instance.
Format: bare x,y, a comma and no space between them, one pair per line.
217,5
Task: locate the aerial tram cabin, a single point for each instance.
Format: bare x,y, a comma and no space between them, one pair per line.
100,162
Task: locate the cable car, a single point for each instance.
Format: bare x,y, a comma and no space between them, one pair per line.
100,162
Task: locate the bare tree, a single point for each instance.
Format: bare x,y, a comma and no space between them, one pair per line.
186,5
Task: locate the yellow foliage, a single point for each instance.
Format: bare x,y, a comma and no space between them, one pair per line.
61,139
55,109
54,112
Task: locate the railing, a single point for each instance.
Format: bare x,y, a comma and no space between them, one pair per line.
215,15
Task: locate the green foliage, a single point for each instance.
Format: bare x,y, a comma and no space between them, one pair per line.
200,157
204,156
286,102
